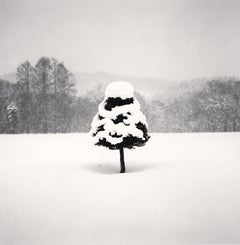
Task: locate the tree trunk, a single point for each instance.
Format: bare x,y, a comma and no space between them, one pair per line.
122,160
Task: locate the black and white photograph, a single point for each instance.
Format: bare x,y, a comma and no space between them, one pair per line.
119,122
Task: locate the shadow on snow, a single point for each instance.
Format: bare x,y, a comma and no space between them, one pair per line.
107,168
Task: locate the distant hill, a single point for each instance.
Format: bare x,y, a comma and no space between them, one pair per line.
149,87
10,77
145,85
86,82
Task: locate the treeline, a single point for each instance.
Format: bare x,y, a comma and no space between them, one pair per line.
44,100
43,95
209,106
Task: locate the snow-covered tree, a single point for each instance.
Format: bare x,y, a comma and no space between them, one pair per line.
12,118
119,122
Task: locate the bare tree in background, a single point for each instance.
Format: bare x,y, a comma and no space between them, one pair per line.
25,80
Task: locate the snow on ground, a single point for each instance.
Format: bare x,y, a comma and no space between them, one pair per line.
179,188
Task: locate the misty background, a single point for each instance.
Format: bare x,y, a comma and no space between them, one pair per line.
58,56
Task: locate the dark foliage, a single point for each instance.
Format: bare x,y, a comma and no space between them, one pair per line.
113,102
100,117
129,142
99,129
119,119
143,128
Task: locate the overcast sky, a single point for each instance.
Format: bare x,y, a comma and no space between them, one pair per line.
174,39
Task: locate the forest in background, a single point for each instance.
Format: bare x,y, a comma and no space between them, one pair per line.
47,98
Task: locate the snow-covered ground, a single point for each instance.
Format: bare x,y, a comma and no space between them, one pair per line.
179,188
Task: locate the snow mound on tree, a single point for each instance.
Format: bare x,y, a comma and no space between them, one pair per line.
119,89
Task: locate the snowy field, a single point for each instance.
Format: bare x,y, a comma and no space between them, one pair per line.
179,188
